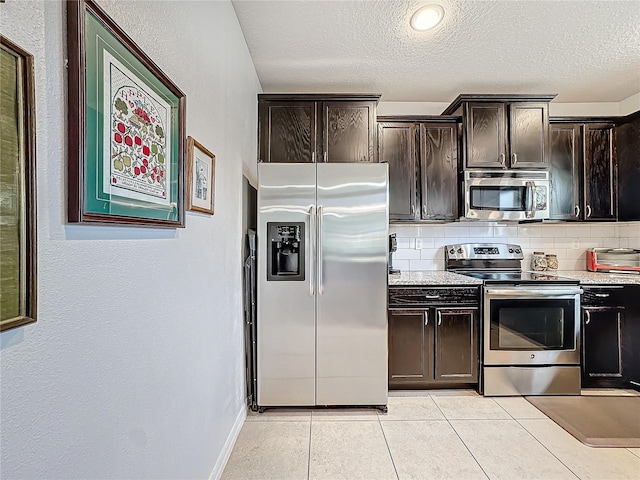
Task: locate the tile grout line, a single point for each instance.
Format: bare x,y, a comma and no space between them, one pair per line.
544,446
458,435
534,437
309,451
388,447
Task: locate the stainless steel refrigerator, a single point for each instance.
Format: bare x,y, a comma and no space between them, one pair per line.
322,284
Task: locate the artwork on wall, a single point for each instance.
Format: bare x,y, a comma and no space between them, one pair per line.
126,128
201,165
17,187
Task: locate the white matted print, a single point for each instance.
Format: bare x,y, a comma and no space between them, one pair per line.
201,164
134,136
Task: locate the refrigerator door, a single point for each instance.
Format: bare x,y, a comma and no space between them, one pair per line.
353,219
286,305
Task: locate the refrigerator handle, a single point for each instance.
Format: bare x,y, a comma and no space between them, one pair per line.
312,250
319,252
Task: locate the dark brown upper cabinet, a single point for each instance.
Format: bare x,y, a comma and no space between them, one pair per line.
504,131
565,172
599,172
316,128
422,153
397,145
628,161
582,171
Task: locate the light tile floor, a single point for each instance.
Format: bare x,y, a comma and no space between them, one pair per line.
436,434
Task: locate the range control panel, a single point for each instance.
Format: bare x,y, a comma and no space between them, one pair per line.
483,251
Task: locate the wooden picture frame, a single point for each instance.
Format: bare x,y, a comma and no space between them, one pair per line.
126,128
18,305
201,175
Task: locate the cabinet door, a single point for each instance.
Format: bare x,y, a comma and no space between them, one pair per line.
599,175
601,343
485,134
628,161
348,132
410,347
396,146
439,171
528,135
456,345
631,337
287,132
565,172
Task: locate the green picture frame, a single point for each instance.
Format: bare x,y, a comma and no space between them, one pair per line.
126,128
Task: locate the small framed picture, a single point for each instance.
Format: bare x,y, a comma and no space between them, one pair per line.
201,165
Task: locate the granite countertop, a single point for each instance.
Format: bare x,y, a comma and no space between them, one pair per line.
447,278
601,278
432,278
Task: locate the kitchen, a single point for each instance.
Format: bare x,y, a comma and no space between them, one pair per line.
132,396
459,196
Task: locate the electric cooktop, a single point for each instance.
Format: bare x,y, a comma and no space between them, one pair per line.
496,263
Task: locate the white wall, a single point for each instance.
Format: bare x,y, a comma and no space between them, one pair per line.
568,241
134,368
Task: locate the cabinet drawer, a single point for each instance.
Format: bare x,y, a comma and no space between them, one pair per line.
422,296
603,295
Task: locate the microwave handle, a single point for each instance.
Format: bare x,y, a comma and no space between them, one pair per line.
531,190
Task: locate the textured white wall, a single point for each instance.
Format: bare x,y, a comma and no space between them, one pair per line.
135,366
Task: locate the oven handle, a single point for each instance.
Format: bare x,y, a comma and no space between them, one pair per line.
531,292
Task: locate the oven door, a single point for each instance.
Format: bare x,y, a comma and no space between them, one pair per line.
538,325
506,195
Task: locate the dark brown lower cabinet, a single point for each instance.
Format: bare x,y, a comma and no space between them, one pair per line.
611,336
602,346
433,345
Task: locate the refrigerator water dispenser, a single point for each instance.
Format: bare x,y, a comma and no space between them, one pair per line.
286,251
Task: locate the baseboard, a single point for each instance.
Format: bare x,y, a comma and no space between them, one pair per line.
228,445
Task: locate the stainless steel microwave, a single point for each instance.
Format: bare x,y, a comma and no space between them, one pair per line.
506,195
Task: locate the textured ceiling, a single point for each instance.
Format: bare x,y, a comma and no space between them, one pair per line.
584,51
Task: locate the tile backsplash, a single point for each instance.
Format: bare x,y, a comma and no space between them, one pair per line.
421,247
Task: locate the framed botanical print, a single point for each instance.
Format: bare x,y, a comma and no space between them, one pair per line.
126,128
201,164
18,283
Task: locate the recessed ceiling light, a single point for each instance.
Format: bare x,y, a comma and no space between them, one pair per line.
427,17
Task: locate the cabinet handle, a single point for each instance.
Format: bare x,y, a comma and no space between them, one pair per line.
515,159
588,315
432,297
439,318
601,295
426,318
413,210
325,157
424,211
313,157
577,210
588,211
502,159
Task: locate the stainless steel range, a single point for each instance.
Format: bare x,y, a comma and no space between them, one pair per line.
530,322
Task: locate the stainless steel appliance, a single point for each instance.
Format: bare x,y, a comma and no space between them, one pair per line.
530,322
506,194
322,284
